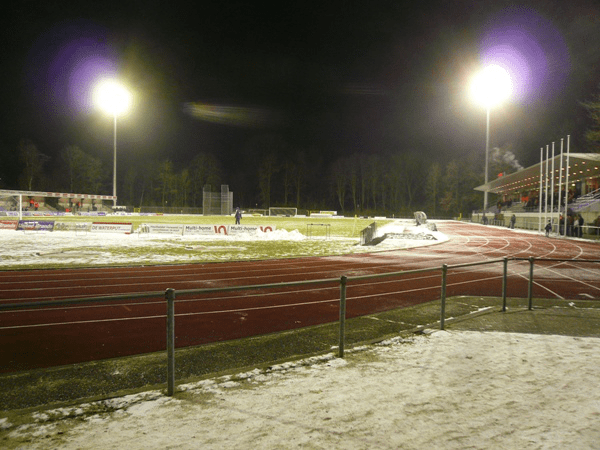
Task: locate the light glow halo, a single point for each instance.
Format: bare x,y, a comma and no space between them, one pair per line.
491,86
112,97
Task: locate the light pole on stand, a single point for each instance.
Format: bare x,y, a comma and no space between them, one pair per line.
113,98
490,87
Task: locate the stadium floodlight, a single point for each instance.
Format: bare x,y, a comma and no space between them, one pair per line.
490,87
115,99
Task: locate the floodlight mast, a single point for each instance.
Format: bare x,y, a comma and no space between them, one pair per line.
490,87
114,99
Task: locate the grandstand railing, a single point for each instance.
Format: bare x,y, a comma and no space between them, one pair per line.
170,296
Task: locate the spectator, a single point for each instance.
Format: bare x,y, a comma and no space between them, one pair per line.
238,216
561,224
513,219
581,222
548,228
570,225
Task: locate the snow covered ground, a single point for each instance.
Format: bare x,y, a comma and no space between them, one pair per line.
27,249
443,390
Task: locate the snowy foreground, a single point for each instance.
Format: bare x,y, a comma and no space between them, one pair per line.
450,390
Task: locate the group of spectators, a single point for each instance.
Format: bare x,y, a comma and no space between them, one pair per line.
33,205
575,224
532,203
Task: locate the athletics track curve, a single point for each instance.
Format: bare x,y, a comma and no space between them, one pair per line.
46,337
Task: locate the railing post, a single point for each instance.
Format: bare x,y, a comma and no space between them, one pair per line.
504,280
170,297
530,289
443,298
343,281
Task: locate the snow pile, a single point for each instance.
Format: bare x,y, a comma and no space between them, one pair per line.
449,390
405,234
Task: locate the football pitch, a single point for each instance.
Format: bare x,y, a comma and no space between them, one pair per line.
291,237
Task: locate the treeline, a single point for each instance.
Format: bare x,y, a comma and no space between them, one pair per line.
366,184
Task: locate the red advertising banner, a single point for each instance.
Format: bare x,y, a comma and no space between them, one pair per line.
8,224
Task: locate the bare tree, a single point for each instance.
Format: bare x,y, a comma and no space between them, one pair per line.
33,165
166,182
432,187
592,134
267,169
340,181
289,173
204,169
83,172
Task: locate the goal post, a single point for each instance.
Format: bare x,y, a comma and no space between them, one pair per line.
9,202
283,211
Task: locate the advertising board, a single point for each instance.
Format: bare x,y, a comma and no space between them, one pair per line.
8,224
161,228
35,225
103,227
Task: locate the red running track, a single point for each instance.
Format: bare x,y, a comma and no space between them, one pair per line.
51,336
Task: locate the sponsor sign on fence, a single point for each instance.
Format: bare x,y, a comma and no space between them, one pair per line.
204,229
72,226
35,225
8,224
226,230
250,229
160,228
102,227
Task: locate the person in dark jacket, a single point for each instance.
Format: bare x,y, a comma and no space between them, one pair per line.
581,222
238,216
548,228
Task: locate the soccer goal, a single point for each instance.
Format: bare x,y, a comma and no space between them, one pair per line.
9,204
283,211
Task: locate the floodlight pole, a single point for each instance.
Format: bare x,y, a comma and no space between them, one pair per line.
115,161
487,153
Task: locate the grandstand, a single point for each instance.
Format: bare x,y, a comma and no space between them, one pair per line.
560,185
26,203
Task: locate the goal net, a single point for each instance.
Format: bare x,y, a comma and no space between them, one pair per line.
9,204
283,211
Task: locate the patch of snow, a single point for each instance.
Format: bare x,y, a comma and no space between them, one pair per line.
450,390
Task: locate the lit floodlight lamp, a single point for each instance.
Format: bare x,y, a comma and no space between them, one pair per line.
112,97
115,99
490,87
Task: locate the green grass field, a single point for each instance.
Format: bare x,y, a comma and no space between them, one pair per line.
346,227
64,249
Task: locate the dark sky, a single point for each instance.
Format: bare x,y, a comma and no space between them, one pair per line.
327,78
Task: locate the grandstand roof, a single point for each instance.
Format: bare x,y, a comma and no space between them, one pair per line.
581,166
56,194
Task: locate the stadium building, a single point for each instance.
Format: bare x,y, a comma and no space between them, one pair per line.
537,194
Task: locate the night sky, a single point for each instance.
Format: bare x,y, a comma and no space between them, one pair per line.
327,78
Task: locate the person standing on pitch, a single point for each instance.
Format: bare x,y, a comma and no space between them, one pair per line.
238,216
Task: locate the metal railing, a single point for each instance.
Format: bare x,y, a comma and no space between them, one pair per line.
170,296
